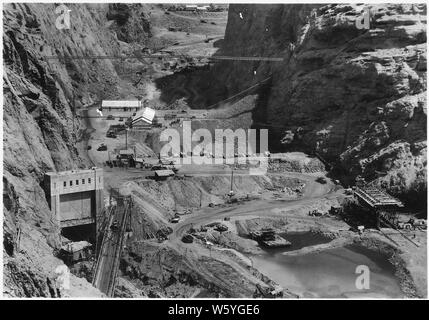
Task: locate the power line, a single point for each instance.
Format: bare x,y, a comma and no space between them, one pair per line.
157,56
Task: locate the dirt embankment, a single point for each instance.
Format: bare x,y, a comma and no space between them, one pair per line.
156,201
408,260
158,270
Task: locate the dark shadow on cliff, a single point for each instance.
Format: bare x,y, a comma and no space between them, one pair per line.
199,86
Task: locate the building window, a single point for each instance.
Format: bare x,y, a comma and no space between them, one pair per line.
89,180
65,184
55,185
77,182
71,183
83,181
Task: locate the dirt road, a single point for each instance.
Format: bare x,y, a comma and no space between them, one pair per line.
261,208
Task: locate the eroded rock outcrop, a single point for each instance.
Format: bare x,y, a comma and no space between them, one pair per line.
354,95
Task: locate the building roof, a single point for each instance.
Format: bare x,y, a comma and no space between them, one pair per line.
147,115
164,173
73,172
121,103
128,151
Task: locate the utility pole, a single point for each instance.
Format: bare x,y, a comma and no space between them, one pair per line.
74,111
126,138
232,179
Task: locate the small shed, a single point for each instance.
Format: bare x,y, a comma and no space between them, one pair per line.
163,174
75,251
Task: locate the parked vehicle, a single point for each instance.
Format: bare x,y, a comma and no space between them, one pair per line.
110,117
348,191
114,226
221,227
187,238
102,147
175,220
315,213
321,180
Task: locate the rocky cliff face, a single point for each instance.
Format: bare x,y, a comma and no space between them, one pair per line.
41,132
356,96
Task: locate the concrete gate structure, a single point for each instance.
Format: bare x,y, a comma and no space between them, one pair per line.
75,197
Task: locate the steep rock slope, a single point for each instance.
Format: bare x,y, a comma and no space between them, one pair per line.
356,96
41,132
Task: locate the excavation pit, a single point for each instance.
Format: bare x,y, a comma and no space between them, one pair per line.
330,273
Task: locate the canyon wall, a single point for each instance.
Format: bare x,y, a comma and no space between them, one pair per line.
357,96
41,131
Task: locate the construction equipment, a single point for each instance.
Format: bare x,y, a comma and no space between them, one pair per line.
315,213
268,292
348,191
267,237
110,134
175,219
221,227
335,210
114,226
321,180
102,147
187,238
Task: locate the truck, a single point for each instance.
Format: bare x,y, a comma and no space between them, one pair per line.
175,219
111,134
321,180
187,238
102,147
